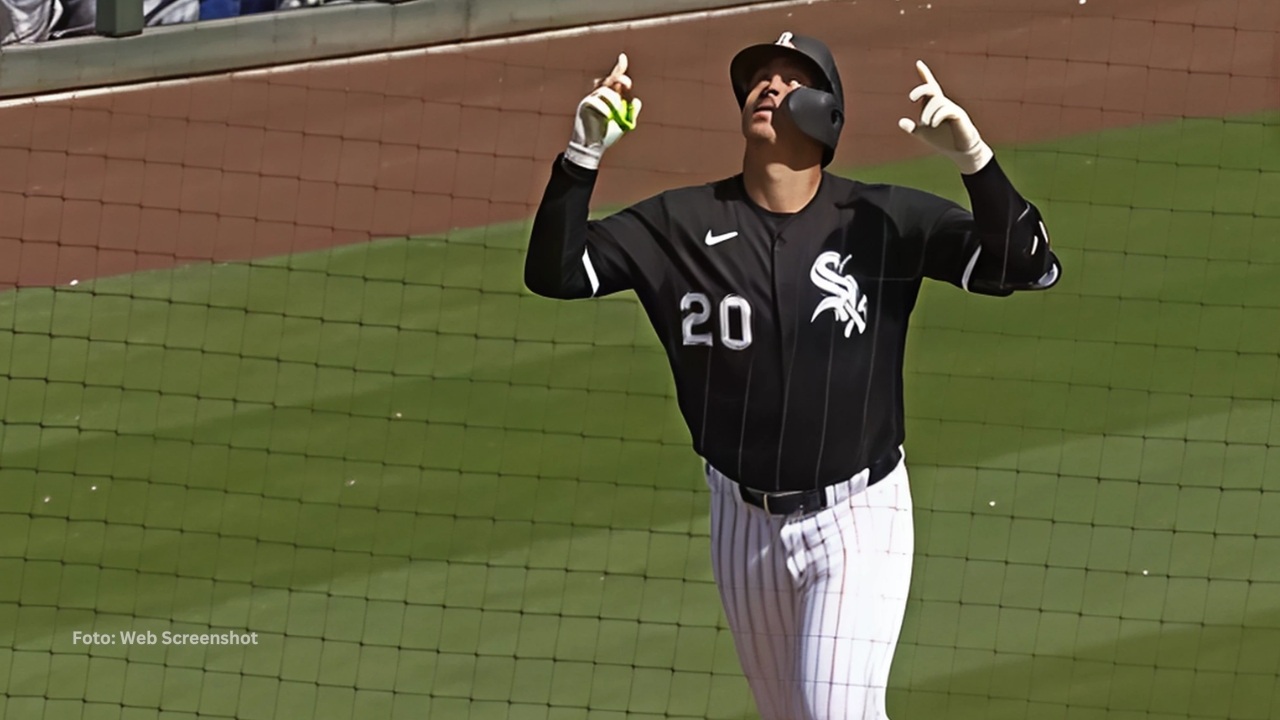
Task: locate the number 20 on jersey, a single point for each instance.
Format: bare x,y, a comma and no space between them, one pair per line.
733,321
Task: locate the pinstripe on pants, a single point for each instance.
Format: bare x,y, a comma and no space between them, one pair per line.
815,602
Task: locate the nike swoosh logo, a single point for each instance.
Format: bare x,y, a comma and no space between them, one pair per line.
717,239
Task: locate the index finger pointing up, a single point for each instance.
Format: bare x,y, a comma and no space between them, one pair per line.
925,75
619,69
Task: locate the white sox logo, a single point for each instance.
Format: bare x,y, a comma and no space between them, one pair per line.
845,300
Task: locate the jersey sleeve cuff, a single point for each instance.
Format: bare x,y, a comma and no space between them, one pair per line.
997,206
990,188
576,171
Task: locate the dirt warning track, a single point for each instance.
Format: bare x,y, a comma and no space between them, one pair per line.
263,163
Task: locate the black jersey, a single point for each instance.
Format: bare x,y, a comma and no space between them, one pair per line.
786,333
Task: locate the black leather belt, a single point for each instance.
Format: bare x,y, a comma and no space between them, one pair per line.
788,502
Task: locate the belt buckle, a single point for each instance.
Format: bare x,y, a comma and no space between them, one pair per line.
765,497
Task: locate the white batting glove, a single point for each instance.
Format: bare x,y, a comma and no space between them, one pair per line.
946,126
603,116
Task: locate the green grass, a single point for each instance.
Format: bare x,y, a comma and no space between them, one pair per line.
432,494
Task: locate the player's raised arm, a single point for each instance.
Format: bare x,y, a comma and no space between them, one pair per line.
562,262
1012,250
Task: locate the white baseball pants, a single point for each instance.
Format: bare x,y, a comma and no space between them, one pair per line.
815,602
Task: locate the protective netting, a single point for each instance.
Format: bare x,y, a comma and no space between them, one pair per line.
268,375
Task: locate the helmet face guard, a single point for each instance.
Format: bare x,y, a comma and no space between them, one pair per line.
817,111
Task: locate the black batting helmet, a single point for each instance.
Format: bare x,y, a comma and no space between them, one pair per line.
817,111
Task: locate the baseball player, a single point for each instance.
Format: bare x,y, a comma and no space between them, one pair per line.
781,296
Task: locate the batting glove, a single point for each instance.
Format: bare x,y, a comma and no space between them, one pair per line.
945,126
603,116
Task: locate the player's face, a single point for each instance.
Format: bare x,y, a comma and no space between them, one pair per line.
768,88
